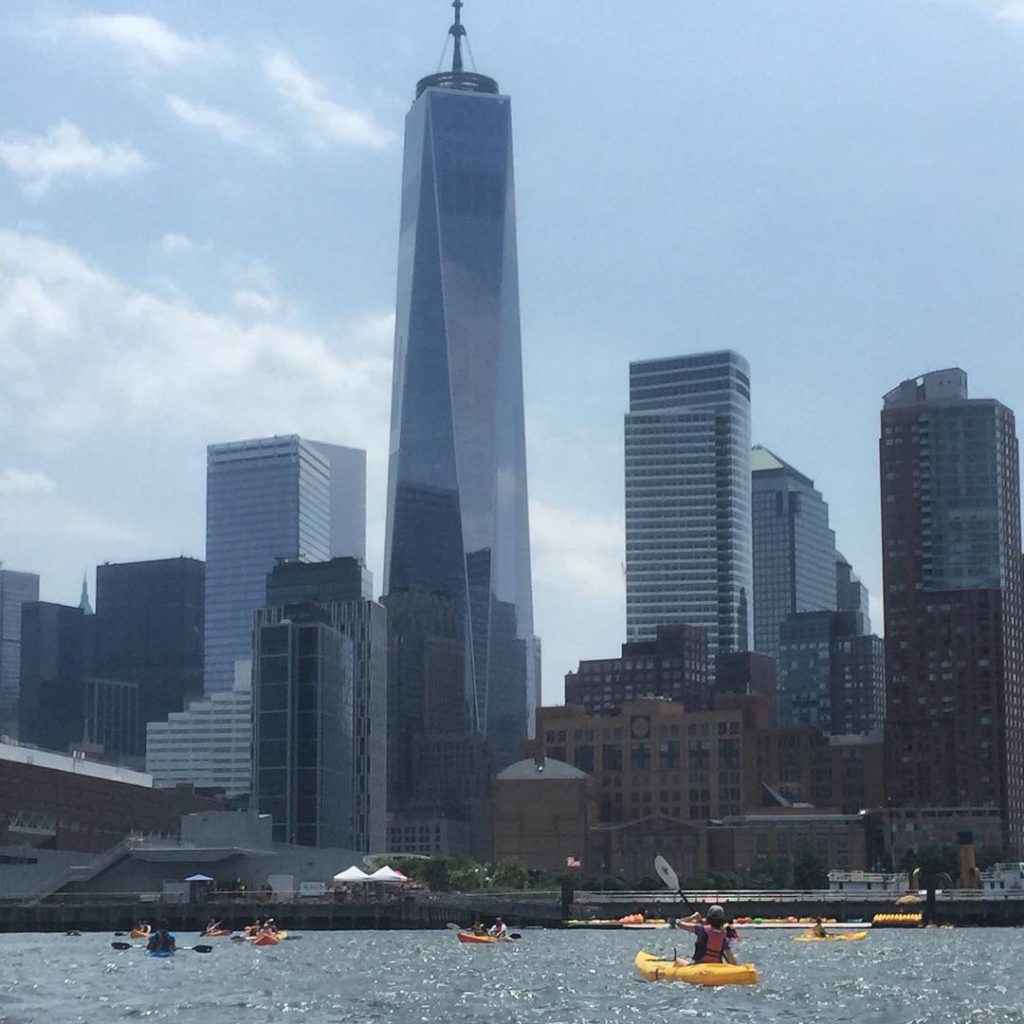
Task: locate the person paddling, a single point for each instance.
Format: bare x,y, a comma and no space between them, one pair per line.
498,929
712,945
161,941
818,930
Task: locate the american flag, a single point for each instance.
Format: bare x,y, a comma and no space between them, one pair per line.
573,862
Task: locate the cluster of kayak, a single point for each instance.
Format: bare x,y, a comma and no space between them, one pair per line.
162,943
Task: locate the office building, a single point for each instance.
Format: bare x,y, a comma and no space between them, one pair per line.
851,594
56,659
302,717
149,631
268,499
688,517
794,548
341,589
743,673
111,719
208,746
673,665
16,589
457,519
829,675
951,560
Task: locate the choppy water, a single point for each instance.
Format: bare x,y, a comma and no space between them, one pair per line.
919,977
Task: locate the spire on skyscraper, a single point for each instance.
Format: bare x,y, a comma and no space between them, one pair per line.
83,602
457,31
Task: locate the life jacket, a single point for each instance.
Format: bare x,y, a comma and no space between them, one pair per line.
161,942
711,946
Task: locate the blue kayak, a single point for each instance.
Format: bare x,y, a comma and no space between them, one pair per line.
162,954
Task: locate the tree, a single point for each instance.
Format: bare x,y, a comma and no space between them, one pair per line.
809,870
986,856
510,874
938,865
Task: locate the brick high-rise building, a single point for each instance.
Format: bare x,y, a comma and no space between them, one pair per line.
951,548
673,665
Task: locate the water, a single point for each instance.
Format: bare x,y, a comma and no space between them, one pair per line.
894,977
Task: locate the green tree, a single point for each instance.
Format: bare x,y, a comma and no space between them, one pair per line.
510,874
987,855
938,865
809,870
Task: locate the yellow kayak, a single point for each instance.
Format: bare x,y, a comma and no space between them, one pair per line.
653,969
837,937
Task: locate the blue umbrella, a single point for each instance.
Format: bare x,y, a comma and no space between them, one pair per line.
199,878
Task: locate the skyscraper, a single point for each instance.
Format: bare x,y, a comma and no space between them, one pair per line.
149,630
794,548
16,589
268,499
457,504
688,520
851,594
341,592
951,560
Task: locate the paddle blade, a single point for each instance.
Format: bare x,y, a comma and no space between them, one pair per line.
121,945
453,927
201,949
514,936
665,873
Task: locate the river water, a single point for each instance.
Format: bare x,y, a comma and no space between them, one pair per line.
554,977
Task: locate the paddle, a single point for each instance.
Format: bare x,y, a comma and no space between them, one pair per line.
671,879
135,945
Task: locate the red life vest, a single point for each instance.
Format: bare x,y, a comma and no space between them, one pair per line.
711,946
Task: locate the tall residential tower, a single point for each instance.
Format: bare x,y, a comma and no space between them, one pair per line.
951,562
457,505
688,519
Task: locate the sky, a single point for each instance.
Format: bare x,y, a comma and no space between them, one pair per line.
198,243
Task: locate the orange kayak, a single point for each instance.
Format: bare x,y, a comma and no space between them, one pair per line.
482,939
137,934
217,933
265,940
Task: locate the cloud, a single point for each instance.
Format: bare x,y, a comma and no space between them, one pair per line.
92,354
328,122
174,243
147,40
16,483
229,127
64,152
577,554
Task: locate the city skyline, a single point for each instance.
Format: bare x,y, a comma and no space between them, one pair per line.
798,229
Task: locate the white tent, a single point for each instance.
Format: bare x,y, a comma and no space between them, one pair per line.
387,874
352,874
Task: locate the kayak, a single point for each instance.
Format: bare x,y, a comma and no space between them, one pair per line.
487,940
137,934
844,937
653,969
265,940
160,954
217,933
648,926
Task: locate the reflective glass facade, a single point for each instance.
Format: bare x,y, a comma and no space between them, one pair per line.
269,499
688,519
794,549
16,589
457,502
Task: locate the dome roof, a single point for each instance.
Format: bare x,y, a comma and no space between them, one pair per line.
546,769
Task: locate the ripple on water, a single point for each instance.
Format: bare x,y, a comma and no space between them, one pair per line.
958,977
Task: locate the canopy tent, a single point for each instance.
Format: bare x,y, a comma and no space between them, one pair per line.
352,874
388,874
199,878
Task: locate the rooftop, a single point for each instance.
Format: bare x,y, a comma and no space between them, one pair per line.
546,769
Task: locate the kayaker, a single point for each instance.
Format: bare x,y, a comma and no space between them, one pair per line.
143,928
162,940
478,927
498,929
213,926
818,930
712,944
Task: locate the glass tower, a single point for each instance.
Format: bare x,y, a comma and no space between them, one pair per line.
270,499
457,504
688,547
794,548
16,589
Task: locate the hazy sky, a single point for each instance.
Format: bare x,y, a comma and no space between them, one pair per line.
199,218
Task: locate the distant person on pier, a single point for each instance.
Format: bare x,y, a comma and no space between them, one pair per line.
711,942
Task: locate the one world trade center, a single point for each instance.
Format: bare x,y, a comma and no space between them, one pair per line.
457,521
